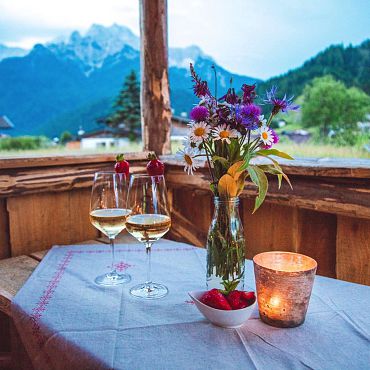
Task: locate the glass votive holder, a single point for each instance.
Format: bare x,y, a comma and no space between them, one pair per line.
284,283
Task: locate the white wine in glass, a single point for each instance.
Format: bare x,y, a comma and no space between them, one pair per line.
149,221
108,213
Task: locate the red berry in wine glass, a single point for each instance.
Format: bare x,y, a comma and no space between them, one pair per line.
122,166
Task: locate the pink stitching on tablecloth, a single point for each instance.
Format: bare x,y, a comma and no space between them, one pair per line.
48,293
121,266
45,298
139,250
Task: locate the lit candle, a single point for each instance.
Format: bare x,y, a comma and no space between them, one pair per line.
284,283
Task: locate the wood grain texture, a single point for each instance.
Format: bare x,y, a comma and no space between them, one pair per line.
353,250
19,355
62,160
191,216
38,221
13,274
345,196
4,334
268,229
318,167
4,230
39,255
22,181
155,97
316,237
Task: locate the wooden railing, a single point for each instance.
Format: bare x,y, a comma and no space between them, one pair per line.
45,201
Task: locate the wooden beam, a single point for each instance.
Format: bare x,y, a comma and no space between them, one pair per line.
38,221
62,159
4,230
35,180
344,196
317,167
353,250
155,97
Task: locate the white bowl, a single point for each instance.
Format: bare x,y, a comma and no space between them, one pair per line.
223,318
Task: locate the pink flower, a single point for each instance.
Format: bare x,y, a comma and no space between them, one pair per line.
275,139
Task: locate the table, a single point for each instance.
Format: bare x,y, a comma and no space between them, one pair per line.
65,321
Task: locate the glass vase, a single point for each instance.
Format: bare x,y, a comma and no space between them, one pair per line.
225,245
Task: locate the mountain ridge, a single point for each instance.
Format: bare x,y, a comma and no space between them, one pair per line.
49,88
63,85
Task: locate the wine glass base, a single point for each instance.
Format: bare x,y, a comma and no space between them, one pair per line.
149,291
112,279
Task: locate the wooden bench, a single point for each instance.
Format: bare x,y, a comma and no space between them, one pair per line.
13,274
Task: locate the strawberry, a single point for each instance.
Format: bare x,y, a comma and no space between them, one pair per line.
238,299
215,299
121,165
250,297
154,167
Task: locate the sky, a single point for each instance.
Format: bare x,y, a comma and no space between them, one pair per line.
260,38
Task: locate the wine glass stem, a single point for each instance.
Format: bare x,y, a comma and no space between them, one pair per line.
113,268
148,246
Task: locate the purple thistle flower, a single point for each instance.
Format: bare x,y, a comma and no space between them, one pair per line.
249,93
275,139
199,113
200,87
285,104
248,115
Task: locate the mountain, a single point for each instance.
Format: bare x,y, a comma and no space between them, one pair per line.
91,50
348,64
70,83
7,52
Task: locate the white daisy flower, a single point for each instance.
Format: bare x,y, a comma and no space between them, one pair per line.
199,131
187,156
188,144
224,133
262,120
266,135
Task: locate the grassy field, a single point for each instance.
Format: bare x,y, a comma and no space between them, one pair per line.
296,150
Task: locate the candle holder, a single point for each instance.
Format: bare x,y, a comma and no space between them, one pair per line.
284,283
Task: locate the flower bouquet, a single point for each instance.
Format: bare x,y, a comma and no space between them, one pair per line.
229,132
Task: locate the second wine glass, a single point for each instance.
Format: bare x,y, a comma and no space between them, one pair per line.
108,213
148,222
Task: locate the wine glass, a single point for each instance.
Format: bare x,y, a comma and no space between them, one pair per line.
148,222
108,213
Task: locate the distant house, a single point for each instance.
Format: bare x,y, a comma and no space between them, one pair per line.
179,127
102,139
5,124
298,136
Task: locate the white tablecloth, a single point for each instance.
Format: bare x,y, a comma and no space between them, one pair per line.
67,322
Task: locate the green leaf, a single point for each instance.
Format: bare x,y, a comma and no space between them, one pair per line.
277,153
260,180
246,159
270,169
276,170
224,162
213,188
280,178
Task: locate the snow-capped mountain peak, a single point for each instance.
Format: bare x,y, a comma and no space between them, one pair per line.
182,57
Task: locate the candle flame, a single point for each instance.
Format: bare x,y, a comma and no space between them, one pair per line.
275,301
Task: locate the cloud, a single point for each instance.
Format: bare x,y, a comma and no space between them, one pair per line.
258,38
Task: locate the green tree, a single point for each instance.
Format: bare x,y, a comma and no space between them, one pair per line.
65,137
126,108
328,104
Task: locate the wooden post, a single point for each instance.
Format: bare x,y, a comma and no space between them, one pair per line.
155,98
